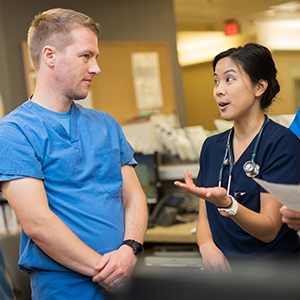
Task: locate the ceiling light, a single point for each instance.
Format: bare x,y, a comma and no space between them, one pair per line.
203,46
287,7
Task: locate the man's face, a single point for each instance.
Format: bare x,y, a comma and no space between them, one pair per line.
76,64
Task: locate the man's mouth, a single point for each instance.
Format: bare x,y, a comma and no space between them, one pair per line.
88,81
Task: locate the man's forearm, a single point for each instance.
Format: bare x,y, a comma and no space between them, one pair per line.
62,245
29,201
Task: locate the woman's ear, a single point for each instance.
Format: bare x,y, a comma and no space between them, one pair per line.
261,87
49,55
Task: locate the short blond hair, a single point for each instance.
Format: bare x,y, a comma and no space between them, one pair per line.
55,25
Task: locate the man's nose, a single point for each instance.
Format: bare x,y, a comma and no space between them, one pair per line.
95,69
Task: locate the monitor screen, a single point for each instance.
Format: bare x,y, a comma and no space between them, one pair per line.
147,174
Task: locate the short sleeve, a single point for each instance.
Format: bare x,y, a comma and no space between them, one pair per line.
126,150
133,162
18,158
281,163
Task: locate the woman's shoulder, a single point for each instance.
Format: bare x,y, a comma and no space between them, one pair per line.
217,138
276,131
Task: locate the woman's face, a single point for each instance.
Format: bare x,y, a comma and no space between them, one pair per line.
235,94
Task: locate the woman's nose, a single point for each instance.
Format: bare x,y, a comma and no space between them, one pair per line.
219,89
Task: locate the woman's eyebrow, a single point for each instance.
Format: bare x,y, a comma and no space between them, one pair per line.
227,71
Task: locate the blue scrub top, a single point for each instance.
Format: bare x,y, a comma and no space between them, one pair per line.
81,173
295,126
278,156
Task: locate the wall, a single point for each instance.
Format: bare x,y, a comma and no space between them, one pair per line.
198,85
287,63
122,103
120,20
4,78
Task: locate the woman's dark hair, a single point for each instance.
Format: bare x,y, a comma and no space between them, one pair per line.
256,60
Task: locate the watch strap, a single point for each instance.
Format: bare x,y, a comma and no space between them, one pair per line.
234,207
137,247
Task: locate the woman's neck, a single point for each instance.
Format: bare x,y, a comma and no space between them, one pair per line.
244,133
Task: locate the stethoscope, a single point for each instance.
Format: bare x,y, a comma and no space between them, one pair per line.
250,167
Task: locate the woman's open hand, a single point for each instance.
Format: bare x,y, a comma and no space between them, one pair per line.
215,195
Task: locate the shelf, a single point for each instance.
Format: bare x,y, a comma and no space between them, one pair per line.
176,172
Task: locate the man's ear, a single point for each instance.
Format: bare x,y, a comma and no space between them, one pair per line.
49,55
261,87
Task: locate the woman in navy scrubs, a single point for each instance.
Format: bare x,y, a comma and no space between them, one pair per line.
238,219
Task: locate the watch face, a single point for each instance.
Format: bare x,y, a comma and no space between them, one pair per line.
139,250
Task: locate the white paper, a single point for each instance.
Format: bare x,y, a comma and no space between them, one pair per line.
147,81
287,194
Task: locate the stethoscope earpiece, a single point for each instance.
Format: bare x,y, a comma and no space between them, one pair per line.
251,168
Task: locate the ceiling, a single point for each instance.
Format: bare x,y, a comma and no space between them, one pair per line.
274,23
210,15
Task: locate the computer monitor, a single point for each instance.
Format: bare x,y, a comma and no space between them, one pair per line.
147,173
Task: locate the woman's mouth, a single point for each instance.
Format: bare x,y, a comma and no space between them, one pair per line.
222,105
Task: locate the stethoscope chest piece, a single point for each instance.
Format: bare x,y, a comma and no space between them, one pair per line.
251,168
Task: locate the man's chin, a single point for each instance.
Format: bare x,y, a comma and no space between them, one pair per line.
80,97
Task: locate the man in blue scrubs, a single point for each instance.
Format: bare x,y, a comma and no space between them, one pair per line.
291,217
67,171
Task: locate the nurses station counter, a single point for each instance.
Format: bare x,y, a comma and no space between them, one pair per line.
183,233
177,233
172,246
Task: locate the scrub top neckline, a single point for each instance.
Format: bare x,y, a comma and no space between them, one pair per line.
251,145
56,125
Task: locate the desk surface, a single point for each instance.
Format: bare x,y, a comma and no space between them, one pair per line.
178,233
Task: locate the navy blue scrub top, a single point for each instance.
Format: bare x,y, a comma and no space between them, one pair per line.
278,156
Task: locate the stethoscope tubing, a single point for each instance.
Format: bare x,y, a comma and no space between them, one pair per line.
228,161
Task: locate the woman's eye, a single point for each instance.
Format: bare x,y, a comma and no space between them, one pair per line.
229,79
216,82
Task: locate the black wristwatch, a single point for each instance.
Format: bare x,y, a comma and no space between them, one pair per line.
137,247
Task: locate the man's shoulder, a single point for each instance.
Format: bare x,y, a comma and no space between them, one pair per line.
90,111
17,115
93,115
